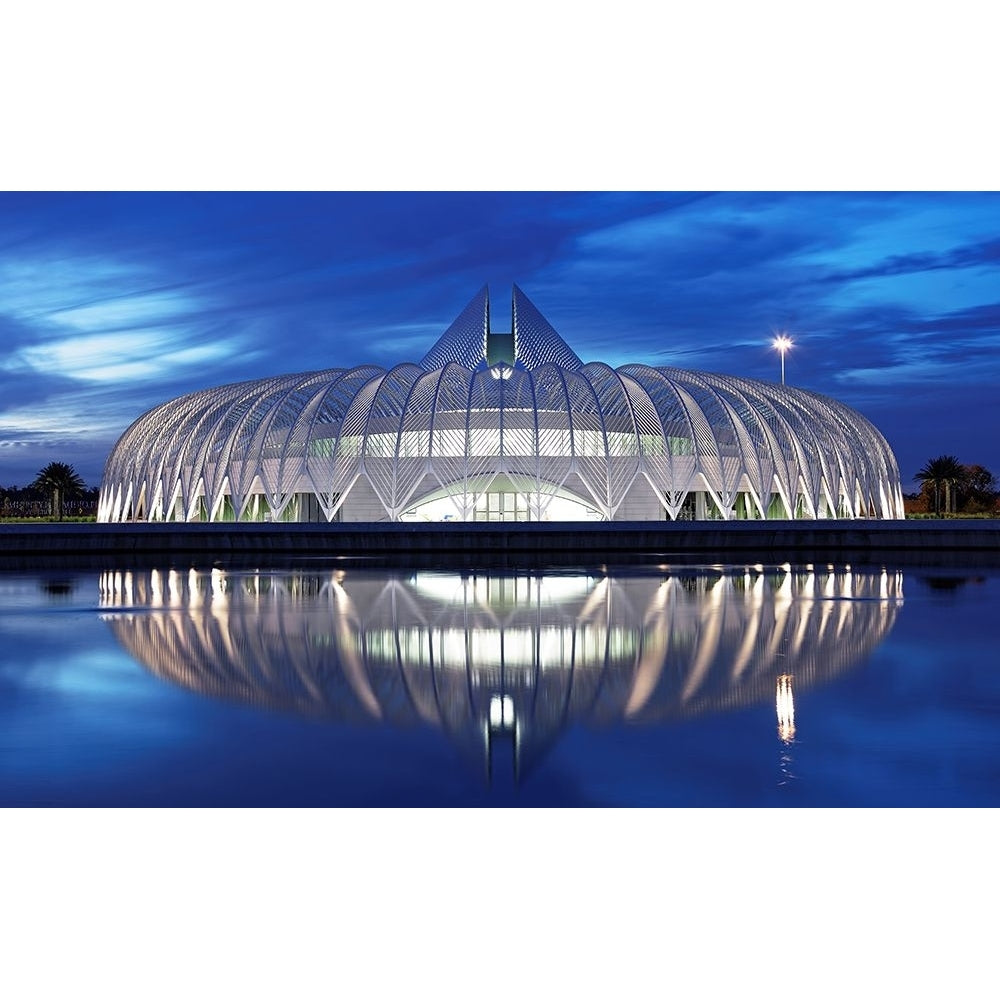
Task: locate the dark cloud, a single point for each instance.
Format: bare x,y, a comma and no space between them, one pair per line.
975,255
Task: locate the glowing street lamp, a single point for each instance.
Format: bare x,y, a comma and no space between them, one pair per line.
781,344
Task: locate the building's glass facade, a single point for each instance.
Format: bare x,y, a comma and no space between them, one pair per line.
500,427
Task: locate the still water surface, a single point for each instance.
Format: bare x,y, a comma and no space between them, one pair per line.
681,686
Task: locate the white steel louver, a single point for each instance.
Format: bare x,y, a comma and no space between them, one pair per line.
515,413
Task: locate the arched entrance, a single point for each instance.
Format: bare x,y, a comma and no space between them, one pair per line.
502,499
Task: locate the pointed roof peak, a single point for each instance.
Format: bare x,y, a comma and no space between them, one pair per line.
535,340
466,341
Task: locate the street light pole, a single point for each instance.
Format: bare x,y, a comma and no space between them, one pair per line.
781,344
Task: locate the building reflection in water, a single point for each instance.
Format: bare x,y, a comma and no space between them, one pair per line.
504,660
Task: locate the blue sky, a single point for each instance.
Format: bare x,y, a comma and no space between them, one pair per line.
111,302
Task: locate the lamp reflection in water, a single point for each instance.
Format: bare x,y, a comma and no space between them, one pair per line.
504,660
785,704
786,709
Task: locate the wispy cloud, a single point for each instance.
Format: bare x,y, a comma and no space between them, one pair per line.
111,303
127,312
109,357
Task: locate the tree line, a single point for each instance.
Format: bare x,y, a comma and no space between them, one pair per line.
948,487
57,491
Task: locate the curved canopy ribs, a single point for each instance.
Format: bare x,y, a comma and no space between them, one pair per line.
514,413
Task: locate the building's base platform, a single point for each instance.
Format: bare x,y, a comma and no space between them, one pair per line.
517,546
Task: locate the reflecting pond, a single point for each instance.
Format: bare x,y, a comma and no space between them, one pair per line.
724,685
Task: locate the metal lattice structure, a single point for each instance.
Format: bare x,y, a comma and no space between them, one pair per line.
510,426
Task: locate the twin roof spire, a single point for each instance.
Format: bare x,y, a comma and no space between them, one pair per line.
470,342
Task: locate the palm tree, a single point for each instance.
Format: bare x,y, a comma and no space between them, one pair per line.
61,481
946,471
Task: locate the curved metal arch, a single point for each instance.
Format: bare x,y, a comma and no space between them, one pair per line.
881,474
244,458
218,469
194,437
123,462
673,475
134,449
449,428
413,438
276,433
589,463
549,385
654,446
789,452
519,447
813,440
383,418
763,457
212,463
332,470
781,427
730,453
807,416
180,432
622,447
287,439
519,415
548,418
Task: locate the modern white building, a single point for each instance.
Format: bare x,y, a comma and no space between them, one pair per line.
508,426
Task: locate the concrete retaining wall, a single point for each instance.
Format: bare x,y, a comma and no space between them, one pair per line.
757,541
